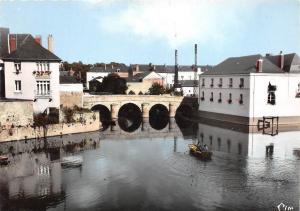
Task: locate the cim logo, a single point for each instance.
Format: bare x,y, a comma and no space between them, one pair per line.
283,207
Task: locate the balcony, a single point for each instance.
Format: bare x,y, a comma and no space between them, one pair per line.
42,94
211,85
211,99
202,98
241,102
229,101
220,101
241,85
220,85
230,85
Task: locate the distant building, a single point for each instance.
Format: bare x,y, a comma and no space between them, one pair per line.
245,89
71,90
29,71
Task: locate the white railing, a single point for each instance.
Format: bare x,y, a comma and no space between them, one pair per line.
42,94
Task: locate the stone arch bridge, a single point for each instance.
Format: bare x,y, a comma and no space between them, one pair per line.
145,102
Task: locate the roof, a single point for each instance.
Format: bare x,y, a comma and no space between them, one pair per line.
110,68
291,62
188,83
29,49
66,79
243,65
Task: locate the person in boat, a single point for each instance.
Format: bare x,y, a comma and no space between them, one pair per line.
205,148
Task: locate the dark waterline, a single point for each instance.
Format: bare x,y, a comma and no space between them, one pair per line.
152,170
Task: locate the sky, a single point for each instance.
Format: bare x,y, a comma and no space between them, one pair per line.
144,31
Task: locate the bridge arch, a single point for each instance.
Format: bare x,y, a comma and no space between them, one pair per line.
105,115
129,117
183,113
158,116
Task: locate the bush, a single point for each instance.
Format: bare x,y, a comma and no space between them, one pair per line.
140,93
69,114
156,89
40,120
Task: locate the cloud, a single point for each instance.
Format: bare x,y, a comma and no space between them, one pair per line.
180,21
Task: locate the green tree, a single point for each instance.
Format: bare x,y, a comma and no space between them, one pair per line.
157,89
114,84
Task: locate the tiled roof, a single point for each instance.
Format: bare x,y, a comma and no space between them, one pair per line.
243,65
29,49
291,62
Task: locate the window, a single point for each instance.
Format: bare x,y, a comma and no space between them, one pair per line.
241,101
212,83
203,82
43,66
220,82
220,97
230,98
271,94
230,82
211,96
298,91
17,67
241,82
202,98
18,87
43,88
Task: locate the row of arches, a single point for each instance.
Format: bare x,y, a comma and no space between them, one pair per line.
130,116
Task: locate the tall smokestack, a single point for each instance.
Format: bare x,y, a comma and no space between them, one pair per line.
195,72
176,71
50,43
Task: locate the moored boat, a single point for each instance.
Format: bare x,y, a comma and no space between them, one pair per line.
3,160
72,161
194,150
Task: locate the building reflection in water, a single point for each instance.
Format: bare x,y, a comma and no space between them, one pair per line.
252,144
34,173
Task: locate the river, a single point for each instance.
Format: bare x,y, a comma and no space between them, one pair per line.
153,170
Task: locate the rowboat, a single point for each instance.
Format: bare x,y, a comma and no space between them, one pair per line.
72,161
204,155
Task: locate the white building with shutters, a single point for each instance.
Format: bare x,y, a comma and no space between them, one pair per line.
31,72
245,89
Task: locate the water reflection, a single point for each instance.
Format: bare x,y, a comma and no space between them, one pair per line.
152,170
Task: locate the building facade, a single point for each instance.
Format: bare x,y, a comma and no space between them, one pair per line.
31,72
246,89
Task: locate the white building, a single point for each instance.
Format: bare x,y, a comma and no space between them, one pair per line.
30,71
246,89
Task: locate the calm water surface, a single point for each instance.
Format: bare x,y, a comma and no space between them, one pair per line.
152,170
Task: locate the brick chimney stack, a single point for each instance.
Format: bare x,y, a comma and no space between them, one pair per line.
259,65
38,39
281,60
50,43
12,43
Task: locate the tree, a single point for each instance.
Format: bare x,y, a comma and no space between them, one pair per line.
131,92
156,89
114,84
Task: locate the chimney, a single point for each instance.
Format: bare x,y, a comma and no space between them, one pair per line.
50,43
281,60
259,65
196,57
12,43
4,34
38,39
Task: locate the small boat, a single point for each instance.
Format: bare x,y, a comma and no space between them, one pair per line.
4,160
72,161
194,150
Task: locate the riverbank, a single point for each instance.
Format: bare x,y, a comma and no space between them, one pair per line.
89,122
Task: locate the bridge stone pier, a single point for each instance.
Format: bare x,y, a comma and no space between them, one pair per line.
114,103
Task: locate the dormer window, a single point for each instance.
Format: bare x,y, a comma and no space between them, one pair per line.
18,67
